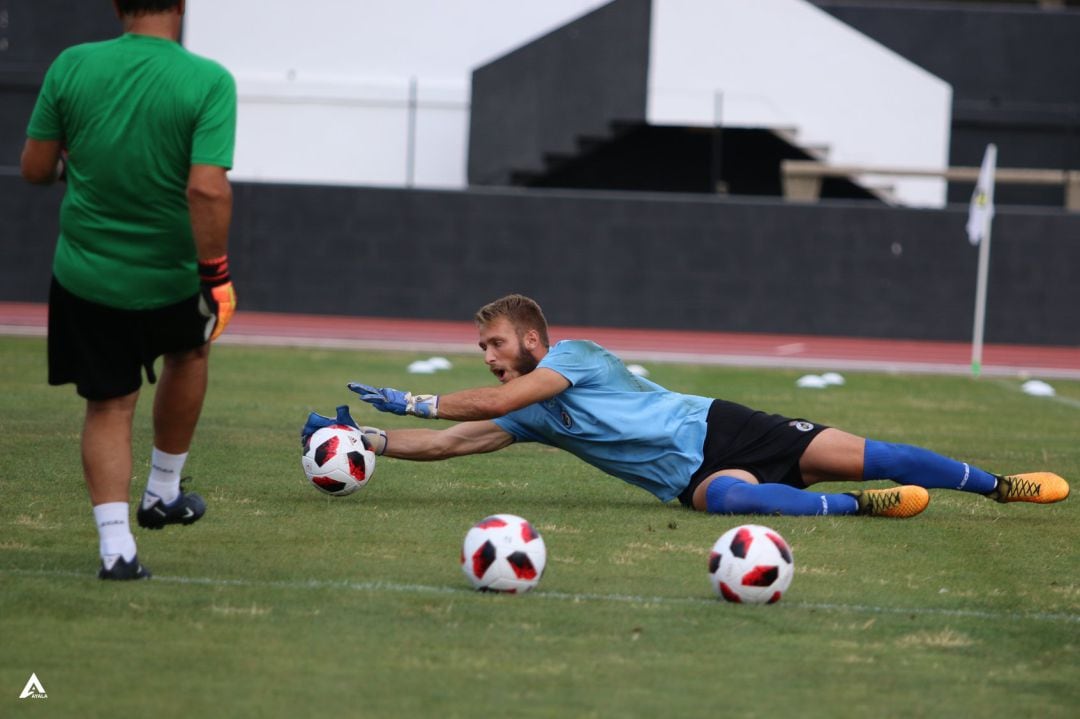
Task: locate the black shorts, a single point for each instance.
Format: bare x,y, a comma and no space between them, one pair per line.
103,350
767,446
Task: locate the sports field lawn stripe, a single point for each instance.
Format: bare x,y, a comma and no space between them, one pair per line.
1013,387
283,602
573,597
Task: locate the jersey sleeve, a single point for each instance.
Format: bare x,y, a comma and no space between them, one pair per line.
45,121
579,361
515,428
215,129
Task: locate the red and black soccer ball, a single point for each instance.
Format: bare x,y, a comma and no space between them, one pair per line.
751,564
503,553
337,460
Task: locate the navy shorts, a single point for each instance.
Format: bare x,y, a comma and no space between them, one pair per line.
104,350
767,446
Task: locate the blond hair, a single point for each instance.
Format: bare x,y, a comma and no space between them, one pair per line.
522,312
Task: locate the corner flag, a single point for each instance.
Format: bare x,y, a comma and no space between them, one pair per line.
981,213
980,217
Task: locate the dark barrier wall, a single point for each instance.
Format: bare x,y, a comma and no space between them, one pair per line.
32,34
622,260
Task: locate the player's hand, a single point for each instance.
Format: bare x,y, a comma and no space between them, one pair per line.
384,399
217,298
316,421
388,399
375,439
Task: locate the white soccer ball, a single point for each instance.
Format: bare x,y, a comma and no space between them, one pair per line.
337,460
503,553
751,564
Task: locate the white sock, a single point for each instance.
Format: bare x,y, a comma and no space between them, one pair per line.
114,532
165,472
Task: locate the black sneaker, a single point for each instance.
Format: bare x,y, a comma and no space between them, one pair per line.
155,514
124,570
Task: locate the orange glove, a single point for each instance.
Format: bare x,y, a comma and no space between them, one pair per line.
217,300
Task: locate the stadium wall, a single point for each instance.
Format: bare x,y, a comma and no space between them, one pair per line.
682,63
1012,69
571,83
620,260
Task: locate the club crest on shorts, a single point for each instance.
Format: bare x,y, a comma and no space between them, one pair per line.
801,425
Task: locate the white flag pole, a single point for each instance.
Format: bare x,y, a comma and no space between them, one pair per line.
980,304
980,218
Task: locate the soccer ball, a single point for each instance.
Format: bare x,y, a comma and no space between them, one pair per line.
337,460
751,564
503,553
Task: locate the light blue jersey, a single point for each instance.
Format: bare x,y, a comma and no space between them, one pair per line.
622,424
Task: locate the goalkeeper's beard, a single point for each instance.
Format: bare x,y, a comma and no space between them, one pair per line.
524,363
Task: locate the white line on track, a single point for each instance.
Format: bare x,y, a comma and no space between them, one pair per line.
575,598
784,359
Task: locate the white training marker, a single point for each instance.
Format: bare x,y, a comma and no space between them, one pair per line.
421,367
1038,388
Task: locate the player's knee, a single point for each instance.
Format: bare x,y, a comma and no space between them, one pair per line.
188,361
195,354
719,497
882,460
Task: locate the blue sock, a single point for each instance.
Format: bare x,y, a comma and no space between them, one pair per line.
914,465
727,495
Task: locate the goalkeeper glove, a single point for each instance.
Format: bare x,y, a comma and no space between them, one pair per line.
316,421
374,438
387,399
217,298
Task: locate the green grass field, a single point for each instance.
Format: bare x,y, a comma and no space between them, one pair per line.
283,602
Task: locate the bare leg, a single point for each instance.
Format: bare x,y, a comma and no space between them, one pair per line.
833,456
106,456
106,448
179,399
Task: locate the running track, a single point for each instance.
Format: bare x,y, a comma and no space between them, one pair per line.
738,349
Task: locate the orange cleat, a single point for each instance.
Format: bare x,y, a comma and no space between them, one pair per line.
905,501
1038,487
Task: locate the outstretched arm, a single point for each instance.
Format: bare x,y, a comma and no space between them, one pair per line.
469,404
491,402
456,441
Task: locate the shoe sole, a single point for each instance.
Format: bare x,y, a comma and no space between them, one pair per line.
133,578
140,573
185,521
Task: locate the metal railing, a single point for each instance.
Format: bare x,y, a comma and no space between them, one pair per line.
802,178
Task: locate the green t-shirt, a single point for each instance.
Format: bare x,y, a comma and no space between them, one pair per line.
134,113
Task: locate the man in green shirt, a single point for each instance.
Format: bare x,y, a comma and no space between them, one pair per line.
143,133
